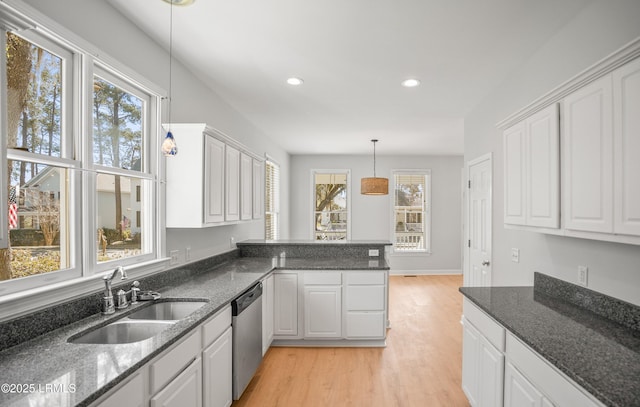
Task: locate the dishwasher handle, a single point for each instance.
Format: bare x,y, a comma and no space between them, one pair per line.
246,299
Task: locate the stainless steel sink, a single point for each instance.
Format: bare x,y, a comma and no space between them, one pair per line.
123,331
167,311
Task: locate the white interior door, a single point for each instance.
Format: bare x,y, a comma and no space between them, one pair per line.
479,215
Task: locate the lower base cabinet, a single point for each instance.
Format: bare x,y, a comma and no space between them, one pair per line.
194,372
183,391
519,392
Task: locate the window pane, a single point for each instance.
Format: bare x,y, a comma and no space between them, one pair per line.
34,91
272,205
409,212
331,206
120,217
38,219
117,126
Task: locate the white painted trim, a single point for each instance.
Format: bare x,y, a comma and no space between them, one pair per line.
436,272
606,65
28,301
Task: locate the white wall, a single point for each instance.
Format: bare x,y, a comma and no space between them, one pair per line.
614,269
105,28
371,215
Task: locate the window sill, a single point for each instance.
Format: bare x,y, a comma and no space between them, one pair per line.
25,302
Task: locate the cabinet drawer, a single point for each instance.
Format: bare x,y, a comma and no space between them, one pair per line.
545,377
365,277
131,394
365,325
171,364
322,278
493,331
365,298
215,326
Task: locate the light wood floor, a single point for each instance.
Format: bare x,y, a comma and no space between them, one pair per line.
421,365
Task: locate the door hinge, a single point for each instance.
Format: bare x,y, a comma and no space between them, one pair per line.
469,184
469,243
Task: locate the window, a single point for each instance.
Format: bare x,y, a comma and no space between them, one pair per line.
411,204
331,205
272,201
67,181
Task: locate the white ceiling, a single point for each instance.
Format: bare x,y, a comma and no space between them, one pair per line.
352,55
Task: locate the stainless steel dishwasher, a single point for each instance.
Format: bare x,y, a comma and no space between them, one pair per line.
247,337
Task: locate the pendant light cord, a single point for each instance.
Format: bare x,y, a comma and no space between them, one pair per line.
374,158
170,59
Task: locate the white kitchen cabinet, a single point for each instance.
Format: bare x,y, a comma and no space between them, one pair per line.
518,391
365,304
285,298
132,393
267,312
217,371
323,312
258,189
204,184
482,358
246,187
588,158
626,134
213,180
232,184
532,170
183,391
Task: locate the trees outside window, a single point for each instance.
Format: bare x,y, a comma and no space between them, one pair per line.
411,203
331,206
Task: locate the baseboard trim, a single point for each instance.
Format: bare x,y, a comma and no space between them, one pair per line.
424,272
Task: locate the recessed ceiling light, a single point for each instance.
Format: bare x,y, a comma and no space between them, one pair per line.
180,2
410,83
295,81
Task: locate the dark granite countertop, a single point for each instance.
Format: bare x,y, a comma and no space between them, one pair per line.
49,360
304,242
599,354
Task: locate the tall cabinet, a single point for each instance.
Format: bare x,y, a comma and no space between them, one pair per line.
213,180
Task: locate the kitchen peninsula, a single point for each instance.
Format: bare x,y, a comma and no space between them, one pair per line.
38,346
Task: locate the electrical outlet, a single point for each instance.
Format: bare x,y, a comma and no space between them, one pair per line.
374,253
583,275
174,256
187,254
515,255
232,242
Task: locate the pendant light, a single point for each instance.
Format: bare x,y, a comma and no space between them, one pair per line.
374,185
169,147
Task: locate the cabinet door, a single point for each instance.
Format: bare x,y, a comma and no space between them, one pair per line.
588,158
217,372
470,362
543,169
285,304
626,83
213,180
518,391
183,391
491,374
130,394
322,311
267,313
514,175
258,189
246,187
232,185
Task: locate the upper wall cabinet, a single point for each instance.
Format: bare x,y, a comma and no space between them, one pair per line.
532,165
210,181
594,120
626,136
588,159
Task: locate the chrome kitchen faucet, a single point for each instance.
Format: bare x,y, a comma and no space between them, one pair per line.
107,300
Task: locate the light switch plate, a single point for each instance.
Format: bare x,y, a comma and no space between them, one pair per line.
515,255
583,275
374,253
174,257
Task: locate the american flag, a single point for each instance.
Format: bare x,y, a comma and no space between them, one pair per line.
13,208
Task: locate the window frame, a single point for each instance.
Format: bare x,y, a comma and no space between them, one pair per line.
313,173
82,60
426,213
272,199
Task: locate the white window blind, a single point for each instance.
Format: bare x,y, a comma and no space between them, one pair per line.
411,211
272,201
